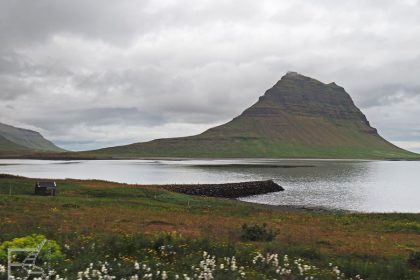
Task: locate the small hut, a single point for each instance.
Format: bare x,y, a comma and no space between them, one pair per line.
45,188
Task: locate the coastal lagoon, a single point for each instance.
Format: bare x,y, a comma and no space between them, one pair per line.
366,186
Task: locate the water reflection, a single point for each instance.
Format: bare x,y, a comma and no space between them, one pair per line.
353,185
332,184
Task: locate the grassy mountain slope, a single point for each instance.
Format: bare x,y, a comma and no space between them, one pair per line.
9,148
18,140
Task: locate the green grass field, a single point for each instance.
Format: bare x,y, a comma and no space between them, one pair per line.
123,224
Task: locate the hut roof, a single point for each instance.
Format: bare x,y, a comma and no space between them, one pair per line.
46,184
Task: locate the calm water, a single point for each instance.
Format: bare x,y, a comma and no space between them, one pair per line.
373,186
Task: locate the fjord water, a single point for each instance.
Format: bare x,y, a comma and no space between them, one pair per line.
367,186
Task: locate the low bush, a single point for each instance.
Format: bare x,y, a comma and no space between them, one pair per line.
257,233
406,226
414,259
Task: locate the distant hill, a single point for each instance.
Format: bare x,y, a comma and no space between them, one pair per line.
18,141
299,117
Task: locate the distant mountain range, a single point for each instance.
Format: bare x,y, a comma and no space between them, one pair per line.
17,141
299,117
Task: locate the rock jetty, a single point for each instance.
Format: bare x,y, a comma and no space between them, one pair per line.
228,190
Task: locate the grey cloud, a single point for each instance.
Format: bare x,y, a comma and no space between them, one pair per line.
116,22
97,117
389,94
169,68
11,63
36,21
12,88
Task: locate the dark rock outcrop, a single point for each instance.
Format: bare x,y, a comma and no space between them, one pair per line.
228,190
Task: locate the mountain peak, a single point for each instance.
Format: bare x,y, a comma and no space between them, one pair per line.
292,74
292,78
295,76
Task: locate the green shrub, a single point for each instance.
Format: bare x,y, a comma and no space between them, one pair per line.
405,226
375,267
414,259
257,233
50,248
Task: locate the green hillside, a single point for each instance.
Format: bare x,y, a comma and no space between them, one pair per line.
299,117
9,148
17,141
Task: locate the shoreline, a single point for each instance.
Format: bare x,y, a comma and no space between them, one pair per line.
250,184
68,157
224,190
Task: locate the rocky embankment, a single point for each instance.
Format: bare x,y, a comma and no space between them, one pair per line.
228,190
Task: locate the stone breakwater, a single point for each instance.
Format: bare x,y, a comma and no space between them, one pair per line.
228,190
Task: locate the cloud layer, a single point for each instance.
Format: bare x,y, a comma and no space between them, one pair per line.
90,74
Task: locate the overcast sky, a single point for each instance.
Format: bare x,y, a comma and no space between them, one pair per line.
89,74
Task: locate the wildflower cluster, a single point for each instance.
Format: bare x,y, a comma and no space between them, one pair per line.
102,272
166,251
340,275
174,258
286,268
209,267
146,272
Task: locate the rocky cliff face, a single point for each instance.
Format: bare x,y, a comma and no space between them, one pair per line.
302,95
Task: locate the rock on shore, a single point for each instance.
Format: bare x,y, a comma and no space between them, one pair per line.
228,190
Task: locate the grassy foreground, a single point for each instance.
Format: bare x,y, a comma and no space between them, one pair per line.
126,230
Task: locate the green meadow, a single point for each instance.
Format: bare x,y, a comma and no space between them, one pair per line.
134,231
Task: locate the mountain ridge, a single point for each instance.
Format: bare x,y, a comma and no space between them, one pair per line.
15,140
299,117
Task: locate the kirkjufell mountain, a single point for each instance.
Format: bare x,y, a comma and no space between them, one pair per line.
299,117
